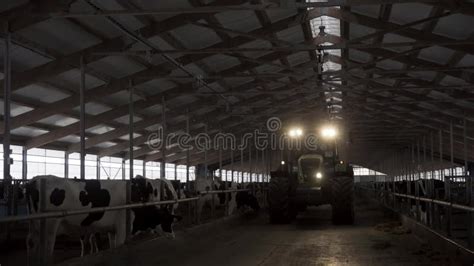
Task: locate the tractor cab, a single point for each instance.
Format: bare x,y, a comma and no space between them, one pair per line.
310,169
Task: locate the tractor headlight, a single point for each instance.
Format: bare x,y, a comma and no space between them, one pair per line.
319,175
295,132
328,132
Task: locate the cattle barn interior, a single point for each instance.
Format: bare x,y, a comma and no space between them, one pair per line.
234,132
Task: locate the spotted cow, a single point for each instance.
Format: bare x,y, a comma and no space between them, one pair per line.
231,197
148,218
257,191
73,194
246,200
202,185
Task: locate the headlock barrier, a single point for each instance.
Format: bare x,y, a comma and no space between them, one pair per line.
191,216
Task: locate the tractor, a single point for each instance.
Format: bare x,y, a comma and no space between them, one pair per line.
312,179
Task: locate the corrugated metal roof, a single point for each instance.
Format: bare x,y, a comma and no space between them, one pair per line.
369,71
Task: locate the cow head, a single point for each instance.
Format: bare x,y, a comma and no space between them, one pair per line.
166,218
141,190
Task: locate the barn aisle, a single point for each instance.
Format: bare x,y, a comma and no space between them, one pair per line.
310,240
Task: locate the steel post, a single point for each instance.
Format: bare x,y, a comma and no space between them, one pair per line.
468,182
448,180
232,165
431,182
123,169
66,165
205,154
82,120
187,151
24,162
128,214
242,164
256,166
97,169
131,115
43,255
6,118
163,140
250,171
188,159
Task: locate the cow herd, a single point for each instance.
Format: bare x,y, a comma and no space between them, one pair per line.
454,191
59,194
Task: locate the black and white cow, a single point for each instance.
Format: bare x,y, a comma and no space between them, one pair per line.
257,192
246,200
241,200
202,185
424,186
148,218
73,194
231,197
63,194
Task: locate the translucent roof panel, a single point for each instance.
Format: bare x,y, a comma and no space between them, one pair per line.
332,27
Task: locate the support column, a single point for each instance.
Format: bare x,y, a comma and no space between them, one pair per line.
242,165
98,167
464,140
250,171
187,151
123,169
451,146
232,165
66,165
471,204
205,155
441,171
82,121
24,162
431,182
256,166
144,168
448,180
130,127
262,165
220,161
176,172
441,177
468,182
6,117
163,141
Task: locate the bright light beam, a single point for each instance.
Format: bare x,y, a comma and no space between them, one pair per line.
295,132
329,132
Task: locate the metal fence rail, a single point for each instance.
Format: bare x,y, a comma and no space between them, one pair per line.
439,213
439,202
65,213
58,214
435,201
222,191
191,214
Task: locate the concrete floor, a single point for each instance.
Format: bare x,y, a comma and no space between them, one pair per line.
375,239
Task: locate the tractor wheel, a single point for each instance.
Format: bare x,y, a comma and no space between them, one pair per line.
342,200
279,205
